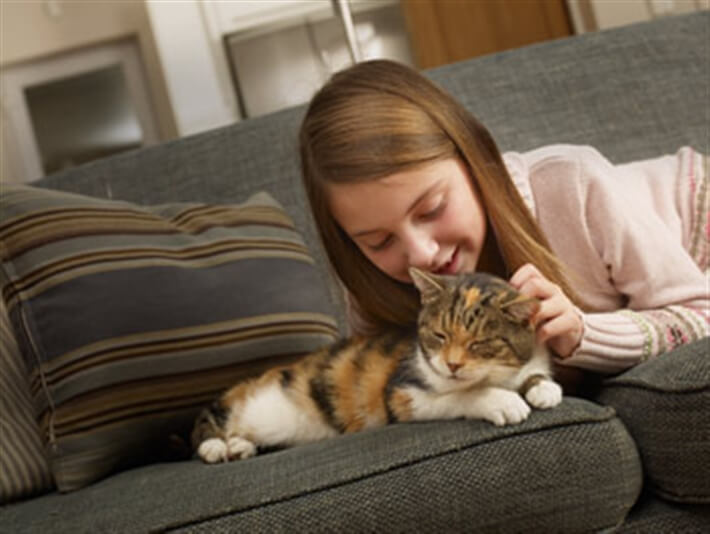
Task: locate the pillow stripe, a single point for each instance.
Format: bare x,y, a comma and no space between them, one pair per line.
105,261
37,210
24,469
33,204
41,229
74,385
197,337
120,355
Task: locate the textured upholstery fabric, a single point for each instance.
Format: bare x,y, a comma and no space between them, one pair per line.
453,476
665,403
24,468
652,514
130,319
632,93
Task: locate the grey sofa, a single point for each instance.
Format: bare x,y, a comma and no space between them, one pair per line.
630,457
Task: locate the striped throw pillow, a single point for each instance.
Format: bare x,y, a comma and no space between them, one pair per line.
24,469
131,318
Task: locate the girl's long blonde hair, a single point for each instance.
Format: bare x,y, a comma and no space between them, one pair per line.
378,118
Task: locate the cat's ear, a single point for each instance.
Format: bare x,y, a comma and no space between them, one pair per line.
429,285
521,308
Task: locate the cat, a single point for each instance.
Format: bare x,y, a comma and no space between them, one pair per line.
473,355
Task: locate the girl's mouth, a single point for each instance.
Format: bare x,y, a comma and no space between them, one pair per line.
452,266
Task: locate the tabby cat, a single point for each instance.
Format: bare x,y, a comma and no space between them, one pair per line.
473,355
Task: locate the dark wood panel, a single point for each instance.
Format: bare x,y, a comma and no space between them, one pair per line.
443,31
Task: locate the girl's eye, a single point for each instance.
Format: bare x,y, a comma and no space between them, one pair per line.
382,244
434,213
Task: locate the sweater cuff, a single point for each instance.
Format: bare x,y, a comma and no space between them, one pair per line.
611,342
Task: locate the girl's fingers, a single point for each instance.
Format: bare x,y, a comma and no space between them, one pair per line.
558,324
561,325
523,274
539,287
563,333
551,308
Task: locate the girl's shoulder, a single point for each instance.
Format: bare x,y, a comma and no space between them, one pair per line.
559,162
585,166
558,172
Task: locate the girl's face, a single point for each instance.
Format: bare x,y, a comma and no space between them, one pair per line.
429,217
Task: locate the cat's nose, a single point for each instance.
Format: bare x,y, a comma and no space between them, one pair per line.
454,367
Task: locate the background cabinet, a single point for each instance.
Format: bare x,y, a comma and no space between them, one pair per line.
452,30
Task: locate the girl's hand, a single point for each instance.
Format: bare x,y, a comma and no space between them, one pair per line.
558,323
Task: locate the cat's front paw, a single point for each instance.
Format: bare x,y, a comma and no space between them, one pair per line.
213,450
240,448
545,394
508,409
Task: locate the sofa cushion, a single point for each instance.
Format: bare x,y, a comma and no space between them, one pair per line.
24,468
131,318
664,403
652,514
570,469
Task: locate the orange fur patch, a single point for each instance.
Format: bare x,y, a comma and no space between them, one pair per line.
377,372
401,405
345,377
471,296
236,395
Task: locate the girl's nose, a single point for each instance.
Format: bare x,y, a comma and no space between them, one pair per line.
421,250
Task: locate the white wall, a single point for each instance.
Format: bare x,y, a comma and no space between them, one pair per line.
195,68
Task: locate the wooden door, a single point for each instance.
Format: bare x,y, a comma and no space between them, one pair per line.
444,31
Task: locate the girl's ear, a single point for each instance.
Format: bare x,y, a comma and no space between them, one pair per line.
429,285
521,308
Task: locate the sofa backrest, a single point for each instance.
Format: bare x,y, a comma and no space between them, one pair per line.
632,92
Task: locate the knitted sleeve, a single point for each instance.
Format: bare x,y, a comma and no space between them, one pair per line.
655,250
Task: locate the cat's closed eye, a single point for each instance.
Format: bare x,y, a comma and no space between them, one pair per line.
440,336
483,349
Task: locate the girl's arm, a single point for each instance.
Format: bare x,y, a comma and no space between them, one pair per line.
643,226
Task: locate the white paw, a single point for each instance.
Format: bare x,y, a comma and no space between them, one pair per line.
240,448
508,408
213,450
545,394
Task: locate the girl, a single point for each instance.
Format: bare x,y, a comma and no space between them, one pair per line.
399,174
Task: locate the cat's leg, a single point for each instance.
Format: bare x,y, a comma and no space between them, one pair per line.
541,392
534,382
499,406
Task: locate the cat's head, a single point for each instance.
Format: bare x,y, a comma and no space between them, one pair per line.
474,328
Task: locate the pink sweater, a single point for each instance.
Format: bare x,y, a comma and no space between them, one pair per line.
635,238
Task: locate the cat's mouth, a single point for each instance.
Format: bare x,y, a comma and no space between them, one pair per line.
451,266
